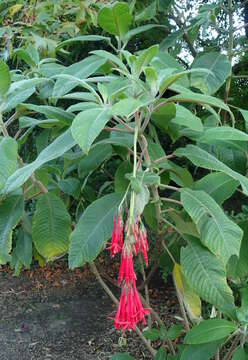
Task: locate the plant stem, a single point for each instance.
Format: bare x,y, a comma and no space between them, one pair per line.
231,350
171,200
115,300
146,290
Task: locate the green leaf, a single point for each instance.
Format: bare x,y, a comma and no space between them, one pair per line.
209,330
56,149
80,70
245,116
139,30
51,226
151,334
218,233
121,356
186,118
174,331
81,38
161,354
239,354
200,352
70,186
51,112
115,19
108,56
162,117
8,159
207,276
218,185
5,79
121,182
24,249
126,107
219,66
144,59
96,156
202,158
223,133
11,210
87,125
241,268
93,230
201,99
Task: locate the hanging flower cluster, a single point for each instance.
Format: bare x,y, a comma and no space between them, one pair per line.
130,310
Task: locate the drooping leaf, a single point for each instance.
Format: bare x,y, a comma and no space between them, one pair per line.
126,107
115,19
56,149
186,118
24,249
51,226
223,133
8,159
5,79
191,300
207,276
200,352
80,70
217,232
219,66
11,210
82,38
209,330
202,158
96,156
121,182
93,230
87,125
218,185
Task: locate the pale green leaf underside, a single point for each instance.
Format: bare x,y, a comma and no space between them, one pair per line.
93,230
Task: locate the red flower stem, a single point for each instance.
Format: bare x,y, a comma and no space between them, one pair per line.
115,300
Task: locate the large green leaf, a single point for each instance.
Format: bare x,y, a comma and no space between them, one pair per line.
96,156
51,226
81,38
51,112
207,276
209,330
218,185
56,149
219,66
202,158
126,107
223,133
240,268
221,235
144,59
87,125
115,19
80,70
186,118
200,352
24,249
93,230
5,79
8,159
11,210
239,354
191,97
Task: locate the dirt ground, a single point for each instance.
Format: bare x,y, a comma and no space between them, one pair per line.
53,313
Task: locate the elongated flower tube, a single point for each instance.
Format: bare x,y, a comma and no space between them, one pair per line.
117,236
130,310
126,272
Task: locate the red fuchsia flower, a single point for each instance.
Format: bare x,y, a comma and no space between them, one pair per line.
117,236
126,272
141,243
130,310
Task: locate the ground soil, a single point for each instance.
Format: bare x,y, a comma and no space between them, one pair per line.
52,313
